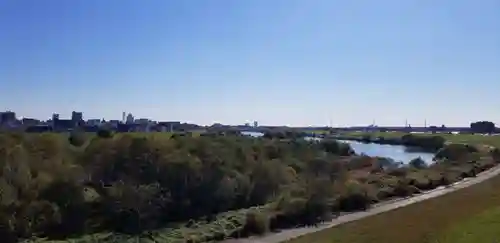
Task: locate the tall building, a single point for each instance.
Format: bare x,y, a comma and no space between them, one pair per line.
255,124
130,118
76,116
123,117
7,117
55,119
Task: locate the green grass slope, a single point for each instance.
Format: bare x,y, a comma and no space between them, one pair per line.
468,215
482,228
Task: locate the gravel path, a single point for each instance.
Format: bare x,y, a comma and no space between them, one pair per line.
289,234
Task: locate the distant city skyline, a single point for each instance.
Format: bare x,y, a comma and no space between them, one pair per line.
129,117
280,62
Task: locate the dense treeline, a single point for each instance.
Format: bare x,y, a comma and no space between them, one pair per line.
284,134
482,127
56,186
432,143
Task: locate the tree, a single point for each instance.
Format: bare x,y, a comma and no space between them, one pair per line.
104,133
482,127
77,139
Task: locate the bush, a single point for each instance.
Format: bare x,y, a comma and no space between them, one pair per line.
355,198
455,152
418,163
104,133
432,143
256,223
77,139
338,148
403,189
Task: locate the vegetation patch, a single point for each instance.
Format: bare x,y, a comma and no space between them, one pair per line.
471,139
186,188
468,215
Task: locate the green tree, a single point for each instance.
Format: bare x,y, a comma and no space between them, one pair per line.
482,127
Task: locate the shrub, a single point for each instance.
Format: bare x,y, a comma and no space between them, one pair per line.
355,198
432,143
455,152
418,163
104,133
77,139
403,189
274,134
257,223
338,148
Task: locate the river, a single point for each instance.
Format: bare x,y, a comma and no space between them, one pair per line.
396,152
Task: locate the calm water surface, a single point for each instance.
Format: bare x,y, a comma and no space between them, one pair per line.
396,152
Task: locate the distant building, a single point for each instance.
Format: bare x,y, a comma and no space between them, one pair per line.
63,125
76,116
143,121
7,117
30,122
169,126
130,118
113,123
255,124
89,128
125,127
55,118
93,122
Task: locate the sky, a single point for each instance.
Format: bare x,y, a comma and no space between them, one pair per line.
278,62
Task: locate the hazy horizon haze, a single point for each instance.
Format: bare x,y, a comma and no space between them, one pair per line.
278,62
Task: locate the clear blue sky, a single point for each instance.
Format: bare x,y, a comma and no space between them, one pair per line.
297,62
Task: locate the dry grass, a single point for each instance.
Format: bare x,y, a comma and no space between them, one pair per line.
433,220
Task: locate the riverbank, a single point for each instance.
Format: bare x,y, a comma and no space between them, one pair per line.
341,234
434,220
321,232
472,139
466,216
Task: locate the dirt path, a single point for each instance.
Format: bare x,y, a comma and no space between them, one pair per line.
289,234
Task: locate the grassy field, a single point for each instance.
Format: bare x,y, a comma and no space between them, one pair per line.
454,138
481,228
471,215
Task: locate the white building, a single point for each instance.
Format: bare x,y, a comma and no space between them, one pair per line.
130,118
